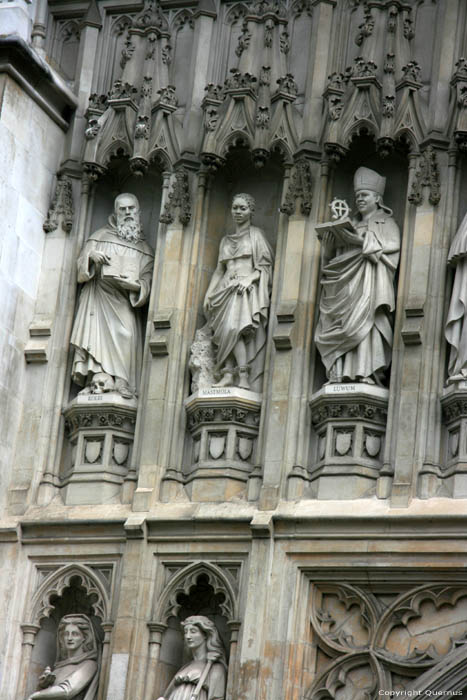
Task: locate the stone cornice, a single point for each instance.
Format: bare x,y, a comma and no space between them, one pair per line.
37,79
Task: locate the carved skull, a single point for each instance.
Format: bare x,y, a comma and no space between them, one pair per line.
102,383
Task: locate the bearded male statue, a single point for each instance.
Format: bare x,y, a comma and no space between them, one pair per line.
115,268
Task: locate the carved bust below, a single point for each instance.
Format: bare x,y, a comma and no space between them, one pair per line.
76,671
115,268
237,301
359,260
203,678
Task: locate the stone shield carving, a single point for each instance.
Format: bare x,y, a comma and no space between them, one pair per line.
216,446
93,451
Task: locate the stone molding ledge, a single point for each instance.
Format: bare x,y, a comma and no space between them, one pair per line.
38,80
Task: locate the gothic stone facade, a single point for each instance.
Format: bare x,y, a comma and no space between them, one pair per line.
321,527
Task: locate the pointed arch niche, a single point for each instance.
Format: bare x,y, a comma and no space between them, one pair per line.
219,458
97,454
350,445
199,588
73,588
395,168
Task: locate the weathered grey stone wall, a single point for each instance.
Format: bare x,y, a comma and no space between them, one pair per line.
31,149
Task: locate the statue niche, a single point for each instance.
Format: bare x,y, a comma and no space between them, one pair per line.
354,336
452,478
205,676
227,361
115,269
359,260
456,326
237,302
76,670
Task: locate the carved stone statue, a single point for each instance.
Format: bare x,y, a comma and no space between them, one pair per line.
237,301
359,261
203,678
115,267
456,326
76,671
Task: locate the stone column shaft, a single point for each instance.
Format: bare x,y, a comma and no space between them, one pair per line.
411,381
317,70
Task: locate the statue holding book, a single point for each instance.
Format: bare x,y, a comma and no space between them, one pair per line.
360,256
115,268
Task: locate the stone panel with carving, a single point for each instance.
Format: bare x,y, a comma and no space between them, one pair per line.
379,641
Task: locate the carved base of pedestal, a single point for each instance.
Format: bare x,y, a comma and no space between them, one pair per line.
349,422
450,477
100,430
224,425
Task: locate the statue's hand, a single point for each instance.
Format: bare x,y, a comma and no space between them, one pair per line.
46,678
244,284
99,258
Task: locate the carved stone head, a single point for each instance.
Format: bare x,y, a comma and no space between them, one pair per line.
102,383
243,206
127,216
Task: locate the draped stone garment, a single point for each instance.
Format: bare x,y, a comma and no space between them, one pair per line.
78,677
184,683
232,316
456,327
107,333
358,298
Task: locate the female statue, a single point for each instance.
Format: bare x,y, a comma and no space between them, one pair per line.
456,326
237,301
360,258
75,674
203,678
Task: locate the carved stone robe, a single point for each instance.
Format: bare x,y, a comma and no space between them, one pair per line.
185,681
78,678
358,298
231,315
456,326
107,333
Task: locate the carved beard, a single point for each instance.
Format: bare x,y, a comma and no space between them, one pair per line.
129,230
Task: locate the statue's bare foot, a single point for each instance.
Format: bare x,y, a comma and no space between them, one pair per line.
121,386
87,390
227,379
367,380
456,378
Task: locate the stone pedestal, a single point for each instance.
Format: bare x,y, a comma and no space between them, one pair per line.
349,421
14,18
100,430
224,424
450,477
